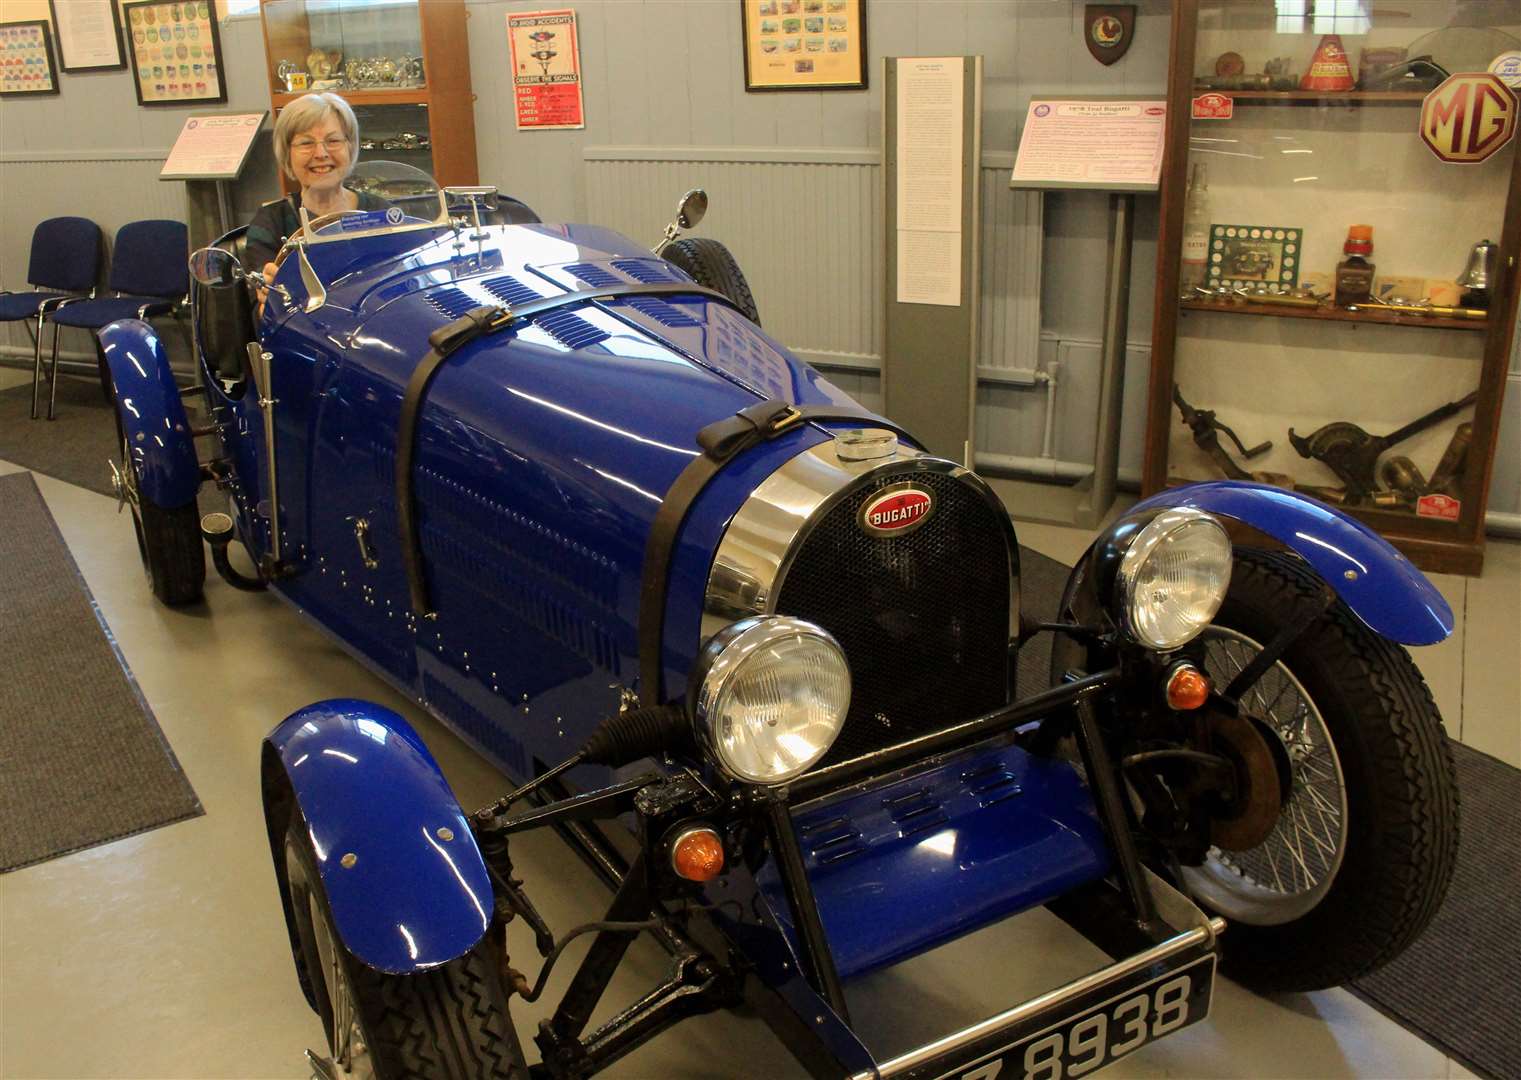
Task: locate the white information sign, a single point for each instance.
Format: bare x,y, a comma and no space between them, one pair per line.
1111,145
212,147
930,91
88,37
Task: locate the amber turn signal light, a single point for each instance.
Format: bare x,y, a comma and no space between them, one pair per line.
1187,688
698,854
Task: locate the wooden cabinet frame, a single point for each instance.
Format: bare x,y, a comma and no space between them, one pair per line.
1431,545
446,67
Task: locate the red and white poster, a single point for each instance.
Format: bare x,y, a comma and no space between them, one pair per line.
546,69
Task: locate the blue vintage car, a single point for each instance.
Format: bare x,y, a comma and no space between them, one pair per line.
752,652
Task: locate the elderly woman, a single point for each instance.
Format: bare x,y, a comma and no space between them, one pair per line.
316,141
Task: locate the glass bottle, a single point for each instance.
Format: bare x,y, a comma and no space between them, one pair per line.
1354,274
1195,231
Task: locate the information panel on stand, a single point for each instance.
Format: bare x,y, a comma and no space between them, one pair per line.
1107,144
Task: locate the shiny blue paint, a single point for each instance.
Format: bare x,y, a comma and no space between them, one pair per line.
1380,585
901,868
367,786
541,462
153,416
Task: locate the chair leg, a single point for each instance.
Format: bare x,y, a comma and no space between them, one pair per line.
36,364
53,389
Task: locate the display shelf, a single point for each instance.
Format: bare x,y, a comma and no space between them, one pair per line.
1336,314
1317,97
434,31
415,95
1295,181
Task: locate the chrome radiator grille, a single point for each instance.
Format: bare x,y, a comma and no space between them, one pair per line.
923,618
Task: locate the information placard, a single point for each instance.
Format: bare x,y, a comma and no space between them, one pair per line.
1106,144
212,147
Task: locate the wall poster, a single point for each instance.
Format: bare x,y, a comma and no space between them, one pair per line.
89,35
27,66
804,44
176,52
546,69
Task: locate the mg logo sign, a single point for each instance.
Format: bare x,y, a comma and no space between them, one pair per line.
1468,117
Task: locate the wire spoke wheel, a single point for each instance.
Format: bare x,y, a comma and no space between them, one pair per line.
1291,871
350,1056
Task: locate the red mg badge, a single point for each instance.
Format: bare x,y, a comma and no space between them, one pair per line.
896,510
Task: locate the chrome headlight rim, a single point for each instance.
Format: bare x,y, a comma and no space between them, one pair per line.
722,656
1165,525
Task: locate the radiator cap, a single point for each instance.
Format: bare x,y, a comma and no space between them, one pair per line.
865,444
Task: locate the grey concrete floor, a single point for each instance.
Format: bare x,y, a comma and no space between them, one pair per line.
164,955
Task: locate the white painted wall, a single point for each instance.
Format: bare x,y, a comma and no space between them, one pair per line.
668,74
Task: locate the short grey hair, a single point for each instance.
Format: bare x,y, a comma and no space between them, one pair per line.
305,113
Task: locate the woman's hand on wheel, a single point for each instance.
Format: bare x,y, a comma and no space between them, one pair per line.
262,292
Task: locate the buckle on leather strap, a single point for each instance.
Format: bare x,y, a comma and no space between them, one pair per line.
788,417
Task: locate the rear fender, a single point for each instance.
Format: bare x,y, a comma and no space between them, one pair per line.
152,413
416,893
1379,585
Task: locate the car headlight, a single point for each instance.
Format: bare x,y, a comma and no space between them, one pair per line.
1172,579
771,694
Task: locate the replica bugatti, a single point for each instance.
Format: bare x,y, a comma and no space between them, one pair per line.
752,651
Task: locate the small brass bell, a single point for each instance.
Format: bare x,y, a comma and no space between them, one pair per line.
1479,274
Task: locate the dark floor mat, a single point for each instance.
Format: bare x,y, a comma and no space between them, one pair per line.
75,446
1456,986
1041,581
84,760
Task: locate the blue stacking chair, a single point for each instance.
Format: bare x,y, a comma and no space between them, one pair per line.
149,277
64,265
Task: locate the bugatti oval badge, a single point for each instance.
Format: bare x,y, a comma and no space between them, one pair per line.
897,510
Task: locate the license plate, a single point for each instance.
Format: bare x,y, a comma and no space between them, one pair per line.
1097,1033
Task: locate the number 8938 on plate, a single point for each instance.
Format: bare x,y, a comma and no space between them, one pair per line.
1099,1033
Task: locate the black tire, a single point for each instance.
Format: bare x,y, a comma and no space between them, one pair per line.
710,263
1398,835
447,1023
168,538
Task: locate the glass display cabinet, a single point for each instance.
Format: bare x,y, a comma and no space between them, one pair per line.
403,64
1336,273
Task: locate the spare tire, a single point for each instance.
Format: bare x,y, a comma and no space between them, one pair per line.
709,263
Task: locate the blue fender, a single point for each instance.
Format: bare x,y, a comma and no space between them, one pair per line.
152,413
416,894
1381,586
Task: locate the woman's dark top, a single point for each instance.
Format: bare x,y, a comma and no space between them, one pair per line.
277,220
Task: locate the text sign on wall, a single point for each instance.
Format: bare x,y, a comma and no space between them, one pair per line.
1468,117
546,69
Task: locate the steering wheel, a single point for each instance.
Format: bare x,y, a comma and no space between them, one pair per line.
314,225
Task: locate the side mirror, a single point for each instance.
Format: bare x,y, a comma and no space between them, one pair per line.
215,267
694,204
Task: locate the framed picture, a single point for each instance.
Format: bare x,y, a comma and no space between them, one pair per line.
1243,256
804,44
27,66
89,35
176,51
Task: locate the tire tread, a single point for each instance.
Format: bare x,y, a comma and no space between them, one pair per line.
1414,811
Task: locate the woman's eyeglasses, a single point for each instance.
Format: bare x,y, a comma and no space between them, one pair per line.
332,144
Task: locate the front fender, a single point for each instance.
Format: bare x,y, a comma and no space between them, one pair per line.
152,413
416,894
1380,585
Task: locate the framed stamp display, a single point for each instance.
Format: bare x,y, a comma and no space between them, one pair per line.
1265,256
89,35
27,64
176,51
804,44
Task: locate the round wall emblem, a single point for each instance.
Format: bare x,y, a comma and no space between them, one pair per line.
896,510
1107,31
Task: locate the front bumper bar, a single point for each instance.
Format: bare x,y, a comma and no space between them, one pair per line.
975,1050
